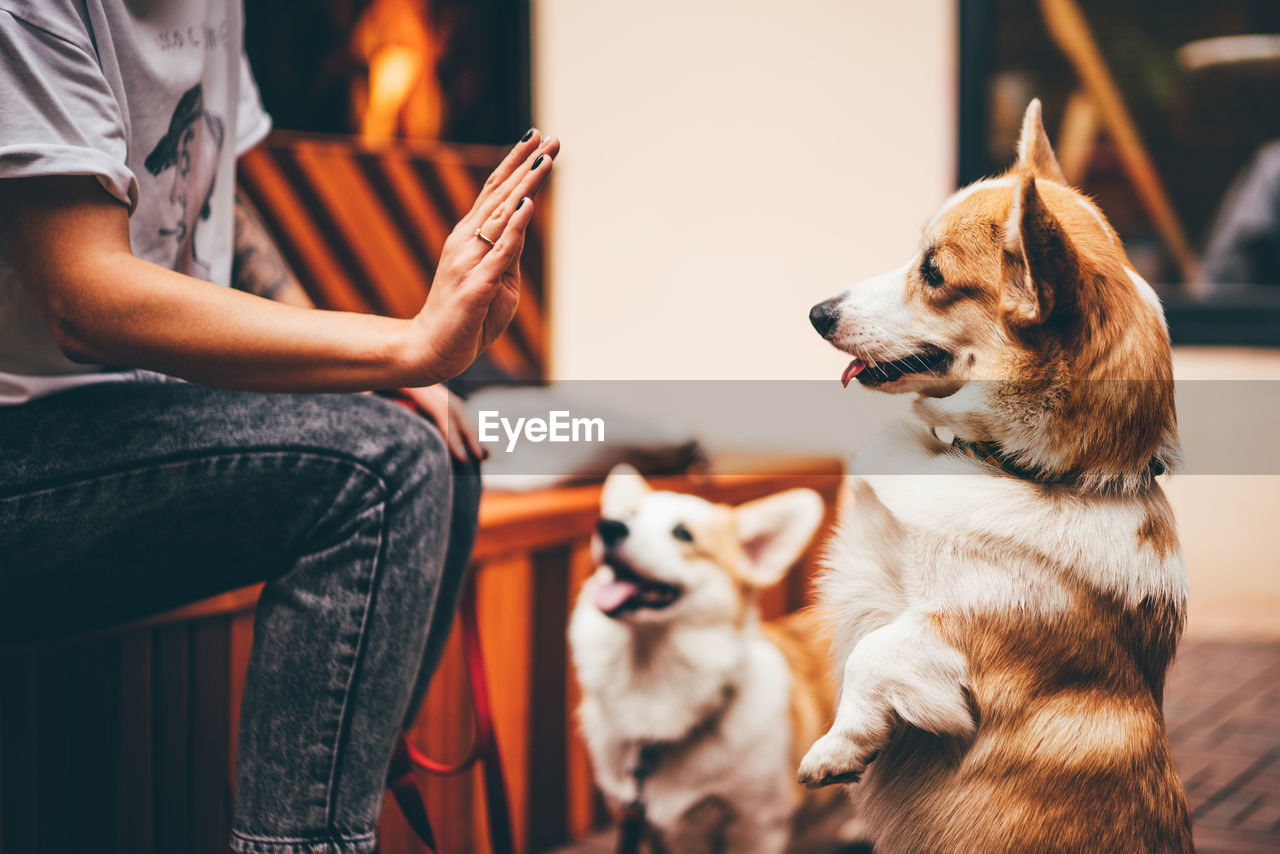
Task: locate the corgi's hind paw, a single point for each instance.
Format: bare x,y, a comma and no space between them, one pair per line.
833,759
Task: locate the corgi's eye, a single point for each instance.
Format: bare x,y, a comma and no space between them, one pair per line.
680,532
929,270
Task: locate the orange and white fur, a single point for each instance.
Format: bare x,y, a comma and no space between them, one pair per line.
1004,620
670,651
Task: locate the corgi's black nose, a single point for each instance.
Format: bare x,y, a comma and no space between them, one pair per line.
824,316
611,532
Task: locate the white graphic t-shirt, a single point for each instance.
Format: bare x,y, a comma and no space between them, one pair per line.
152,97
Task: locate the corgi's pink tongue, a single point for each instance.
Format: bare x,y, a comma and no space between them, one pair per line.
855,368
612,596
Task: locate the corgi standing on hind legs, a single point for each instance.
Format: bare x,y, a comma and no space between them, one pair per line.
1006,605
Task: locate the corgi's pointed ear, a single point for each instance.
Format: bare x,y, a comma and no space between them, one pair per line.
623,490
1035,154
1049,271
774,532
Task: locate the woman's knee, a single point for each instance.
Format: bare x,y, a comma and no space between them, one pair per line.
403,449
390,481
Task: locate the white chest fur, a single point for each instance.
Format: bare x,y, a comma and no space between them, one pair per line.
963,516
670,685
937,532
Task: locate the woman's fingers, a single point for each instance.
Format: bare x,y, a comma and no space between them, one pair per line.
453,438
506,249
520,153
525,181
524,190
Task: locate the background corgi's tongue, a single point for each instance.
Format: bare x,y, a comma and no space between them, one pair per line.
612,596
855,368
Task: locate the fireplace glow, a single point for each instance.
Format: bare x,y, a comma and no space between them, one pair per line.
401,96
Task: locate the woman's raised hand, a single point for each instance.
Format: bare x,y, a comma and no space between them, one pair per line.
477,284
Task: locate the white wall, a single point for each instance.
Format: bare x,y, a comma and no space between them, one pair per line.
1227,522
726,164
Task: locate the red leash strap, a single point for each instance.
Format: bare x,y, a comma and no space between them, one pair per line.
484,750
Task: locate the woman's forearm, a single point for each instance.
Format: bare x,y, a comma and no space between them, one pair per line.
69,243
142,315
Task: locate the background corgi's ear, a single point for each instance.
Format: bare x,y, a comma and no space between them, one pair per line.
774,532
1050,270
623,490
1035,154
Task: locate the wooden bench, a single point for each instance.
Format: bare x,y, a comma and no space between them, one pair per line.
124,741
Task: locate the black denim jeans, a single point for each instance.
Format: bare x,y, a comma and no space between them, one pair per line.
122,499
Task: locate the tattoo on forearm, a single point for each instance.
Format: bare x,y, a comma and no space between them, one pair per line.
257,266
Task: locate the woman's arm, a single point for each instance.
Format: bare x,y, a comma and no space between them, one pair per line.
69,244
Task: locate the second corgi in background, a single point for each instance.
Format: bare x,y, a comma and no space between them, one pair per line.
692,706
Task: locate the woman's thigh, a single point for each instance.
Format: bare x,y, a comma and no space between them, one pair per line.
123,499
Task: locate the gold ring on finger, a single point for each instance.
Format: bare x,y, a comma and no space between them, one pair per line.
480,234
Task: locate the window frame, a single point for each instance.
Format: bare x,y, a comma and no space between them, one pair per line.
1232,316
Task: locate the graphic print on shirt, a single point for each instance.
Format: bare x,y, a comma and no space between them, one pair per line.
191,148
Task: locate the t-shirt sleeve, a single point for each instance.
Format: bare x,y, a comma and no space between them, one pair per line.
58,116
252,121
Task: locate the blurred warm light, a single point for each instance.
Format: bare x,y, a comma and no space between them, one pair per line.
393,71
401,96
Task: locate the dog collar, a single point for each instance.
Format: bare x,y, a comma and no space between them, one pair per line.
992,454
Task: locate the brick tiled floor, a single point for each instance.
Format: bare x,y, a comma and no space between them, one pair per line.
1222,708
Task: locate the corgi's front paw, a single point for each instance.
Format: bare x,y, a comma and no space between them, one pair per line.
834,758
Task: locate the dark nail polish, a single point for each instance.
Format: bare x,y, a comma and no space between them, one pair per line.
528,135
520,203
538,162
